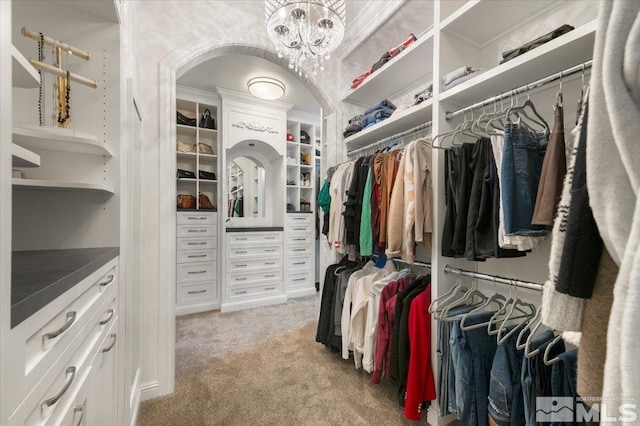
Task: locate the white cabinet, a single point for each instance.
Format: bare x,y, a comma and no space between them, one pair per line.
254,271
196,262
100,404
299,254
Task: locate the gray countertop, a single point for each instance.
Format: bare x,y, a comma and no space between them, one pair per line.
40,276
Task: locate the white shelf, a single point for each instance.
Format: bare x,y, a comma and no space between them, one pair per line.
183,130
187,155
24,74
22,157
188,180
293,166
405,70
56,139
293,186
304,166
397,123
52,185
207,132
208,181
306,147
566,51
211,157
471,21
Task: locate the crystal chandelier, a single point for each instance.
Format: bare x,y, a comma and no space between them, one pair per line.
305,30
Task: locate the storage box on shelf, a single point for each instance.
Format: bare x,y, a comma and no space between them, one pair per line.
254,269
196,262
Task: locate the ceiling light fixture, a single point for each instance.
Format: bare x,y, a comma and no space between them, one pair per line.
266,88
305,30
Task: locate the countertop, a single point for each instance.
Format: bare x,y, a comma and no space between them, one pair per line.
40,276
259,229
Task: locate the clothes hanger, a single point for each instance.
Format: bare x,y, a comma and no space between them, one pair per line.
495,298
509,317
547,351
527,349
454,292
444,316
520,345
522,110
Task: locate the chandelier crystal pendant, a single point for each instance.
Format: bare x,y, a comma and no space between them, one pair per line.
305,31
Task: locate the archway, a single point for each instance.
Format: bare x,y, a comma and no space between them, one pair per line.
170,68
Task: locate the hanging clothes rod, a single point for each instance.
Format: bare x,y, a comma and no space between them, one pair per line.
416,263
385,141
543,81
493,278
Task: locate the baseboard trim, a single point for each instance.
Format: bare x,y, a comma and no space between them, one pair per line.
247,304
200,307
149,391
310,291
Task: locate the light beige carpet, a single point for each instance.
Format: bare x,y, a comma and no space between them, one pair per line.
287,380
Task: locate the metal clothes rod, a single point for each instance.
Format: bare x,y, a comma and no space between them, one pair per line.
385,141
492,278
416,263
62,73
543,81
55,43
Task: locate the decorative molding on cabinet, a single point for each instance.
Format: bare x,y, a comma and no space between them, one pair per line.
255,126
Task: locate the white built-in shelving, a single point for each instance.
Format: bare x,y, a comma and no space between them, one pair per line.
24,74
301,170
52,185
57,139
22,157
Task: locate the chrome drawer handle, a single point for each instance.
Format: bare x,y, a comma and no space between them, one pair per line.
197,230
299,249
196,218
270,263
196,256
241,279
109,280
49,402
71,318
241,292
241,266
299,229
241,252
269,238
105,321
269,288
201,243
197,292
299,263
300,279
241,239
196,272
115,339
79,409
269,276
269,251
299,239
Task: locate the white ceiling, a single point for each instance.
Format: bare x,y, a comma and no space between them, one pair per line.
233,71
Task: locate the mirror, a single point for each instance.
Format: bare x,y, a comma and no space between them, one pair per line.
245,186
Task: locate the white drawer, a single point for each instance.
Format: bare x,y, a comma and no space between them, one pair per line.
299,250
300,263
190,293
196,231
194,272
300,279
191,256
197,218
248,238
252,292
254,278
298,219
253,252
253,264
299,230
68,374
195,243
298,239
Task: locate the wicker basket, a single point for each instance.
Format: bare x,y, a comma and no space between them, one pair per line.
186,147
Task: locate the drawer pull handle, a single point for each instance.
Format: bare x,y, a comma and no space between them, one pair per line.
115,339
241,292
299,249
241,279
197,292
196,230
270,263
109,280
300,279
197,218
269,251
269,238
197,272
269,288
241,239
201,243
71,318
241,252
241,266
110,313
196,256
270,276
299,239
79,409
49,402
299,263
299,229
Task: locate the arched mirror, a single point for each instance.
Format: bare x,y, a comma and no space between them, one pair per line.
246,188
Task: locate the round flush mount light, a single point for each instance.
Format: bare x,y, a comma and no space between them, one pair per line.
266,88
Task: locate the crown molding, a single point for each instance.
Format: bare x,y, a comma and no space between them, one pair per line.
365,24
245,97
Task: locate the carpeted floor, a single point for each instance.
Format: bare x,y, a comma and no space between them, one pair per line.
281,378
